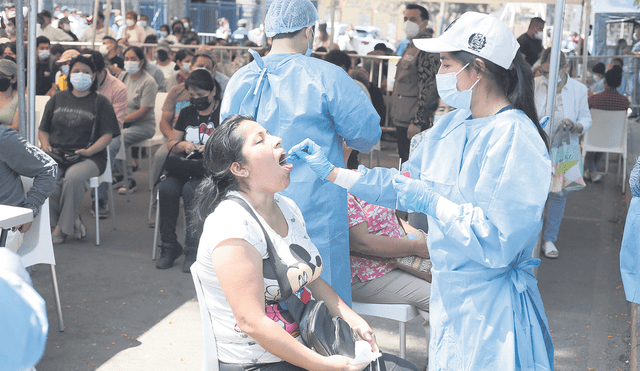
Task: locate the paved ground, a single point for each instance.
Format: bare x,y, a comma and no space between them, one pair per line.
121,313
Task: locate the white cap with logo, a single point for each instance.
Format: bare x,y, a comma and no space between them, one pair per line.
481,34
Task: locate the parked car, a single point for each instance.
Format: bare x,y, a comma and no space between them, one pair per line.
369,37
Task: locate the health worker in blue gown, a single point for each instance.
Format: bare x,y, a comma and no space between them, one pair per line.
296,97
630,250
482,175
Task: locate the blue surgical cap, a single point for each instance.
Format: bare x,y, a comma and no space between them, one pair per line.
286,16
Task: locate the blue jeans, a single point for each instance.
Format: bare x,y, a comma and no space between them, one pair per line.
555,211
132,135
171,189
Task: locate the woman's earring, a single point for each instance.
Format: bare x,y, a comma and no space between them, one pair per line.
246,174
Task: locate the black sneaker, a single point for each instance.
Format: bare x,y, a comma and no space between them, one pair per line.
168,255
132,188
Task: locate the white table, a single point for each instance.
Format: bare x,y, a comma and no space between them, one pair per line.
12,216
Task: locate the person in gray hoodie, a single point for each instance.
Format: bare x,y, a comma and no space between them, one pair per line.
18,157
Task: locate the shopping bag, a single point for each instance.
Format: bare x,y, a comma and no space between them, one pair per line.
566,162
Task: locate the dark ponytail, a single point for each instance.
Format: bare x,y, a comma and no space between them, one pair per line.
223,148
515,83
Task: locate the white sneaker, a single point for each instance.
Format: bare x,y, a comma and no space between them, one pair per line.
550,250
596,178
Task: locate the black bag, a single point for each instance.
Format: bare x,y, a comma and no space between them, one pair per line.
65,157
320,331
184,166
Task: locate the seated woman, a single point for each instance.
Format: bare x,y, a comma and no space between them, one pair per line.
77,121
9,94
195,124
140,121
377,231
252,330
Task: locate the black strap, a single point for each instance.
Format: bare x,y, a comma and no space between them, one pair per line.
162,177
95,119
280,268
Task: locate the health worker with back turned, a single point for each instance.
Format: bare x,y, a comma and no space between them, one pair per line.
296,97
481,174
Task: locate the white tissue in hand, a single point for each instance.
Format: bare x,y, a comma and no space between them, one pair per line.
364,354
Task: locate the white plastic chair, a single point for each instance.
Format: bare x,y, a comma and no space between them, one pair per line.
209,349
37,247
608,134
402,313
95,183
158,138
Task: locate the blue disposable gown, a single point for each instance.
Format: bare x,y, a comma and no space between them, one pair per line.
630,250
296,97
486,312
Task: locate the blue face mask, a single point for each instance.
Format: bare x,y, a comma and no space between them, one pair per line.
448,90
65,69
163,33
310,48
81,81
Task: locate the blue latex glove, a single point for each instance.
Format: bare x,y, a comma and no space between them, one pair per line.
415,195
309,151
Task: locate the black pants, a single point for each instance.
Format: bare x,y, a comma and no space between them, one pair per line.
387,362
403,143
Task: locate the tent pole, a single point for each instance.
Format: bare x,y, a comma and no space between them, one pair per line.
22,104
33,10
554,64
587,16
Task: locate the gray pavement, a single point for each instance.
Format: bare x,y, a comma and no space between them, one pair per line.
121,313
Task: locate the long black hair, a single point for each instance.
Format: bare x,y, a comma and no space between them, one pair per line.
223,148
515,83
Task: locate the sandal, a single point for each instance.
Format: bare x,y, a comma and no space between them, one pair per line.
80,230
550,250
57,240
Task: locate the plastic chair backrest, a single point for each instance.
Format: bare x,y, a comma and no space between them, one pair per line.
209,349
37,246
157,110
608,132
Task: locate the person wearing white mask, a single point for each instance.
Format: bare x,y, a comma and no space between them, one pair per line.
415,83
46,29
481,174
139,122
76,121
531,41
131,33
101,31
144,23
347,41
44,78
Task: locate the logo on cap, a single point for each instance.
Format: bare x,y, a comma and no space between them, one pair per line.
477,41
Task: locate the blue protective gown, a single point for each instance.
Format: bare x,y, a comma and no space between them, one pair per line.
486,312
296,97
630,250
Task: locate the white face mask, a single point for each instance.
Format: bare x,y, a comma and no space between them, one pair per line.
130,22
9,29
132,67
351,34
448,90
539,35
142,23
411,29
